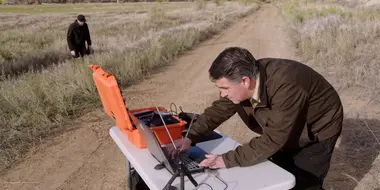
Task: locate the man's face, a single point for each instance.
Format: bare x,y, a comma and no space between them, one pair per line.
81,23
236,91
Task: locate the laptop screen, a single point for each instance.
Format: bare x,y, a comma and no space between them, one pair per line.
153,145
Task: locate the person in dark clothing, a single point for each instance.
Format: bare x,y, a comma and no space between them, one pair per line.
296,111
77,36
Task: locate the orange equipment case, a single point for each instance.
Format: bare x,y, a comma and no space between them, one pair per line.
114,107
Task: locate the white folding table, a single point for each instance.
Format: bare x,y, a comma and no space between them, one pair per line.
264,176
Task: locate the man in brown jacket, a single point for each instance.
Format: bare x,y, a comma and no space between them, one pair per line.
297,112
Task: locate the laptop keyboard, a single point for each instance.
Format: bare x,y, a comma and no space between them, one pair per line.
190,164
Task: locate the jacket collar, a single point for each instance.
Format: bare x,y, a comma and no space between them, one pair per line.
77,24
256,94
263,90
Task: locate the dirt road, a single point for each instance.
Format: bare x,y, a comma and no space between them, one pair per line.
85,157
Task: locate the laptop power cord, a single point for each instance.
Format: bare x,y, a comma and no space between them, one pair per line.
205,184
213,174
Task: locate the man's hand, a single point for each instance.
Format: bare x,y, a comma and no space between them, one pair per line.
72,53
89,47
184,143
213,162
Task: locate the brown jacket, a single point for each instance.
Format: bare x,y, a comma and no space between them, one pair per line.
297,107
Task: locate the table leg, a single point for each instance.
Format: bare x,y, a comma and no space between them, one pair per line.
129,175
134,181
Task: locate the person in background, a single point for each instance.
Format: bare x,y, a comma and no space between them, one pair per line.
77,36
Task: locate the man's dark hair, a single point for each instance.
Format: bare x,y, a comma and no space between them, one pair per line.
233,63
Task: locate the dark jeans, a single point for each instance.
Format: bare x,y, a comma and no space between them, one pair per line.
308,164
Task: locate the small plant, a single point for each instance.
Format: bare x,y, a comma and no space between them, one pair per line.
6,54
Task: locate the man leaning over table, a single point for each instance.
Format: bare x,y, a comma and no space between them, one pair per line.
297,112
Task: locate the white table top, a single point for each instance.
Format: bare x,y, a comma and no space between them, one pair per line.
264,176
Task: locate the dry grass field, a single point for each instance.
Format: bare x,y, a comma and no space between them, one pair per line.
41,85
341,39
44,93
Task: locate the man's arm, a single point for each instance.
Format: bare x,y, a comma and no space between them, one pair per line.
220,111
70,37
88,36
287,106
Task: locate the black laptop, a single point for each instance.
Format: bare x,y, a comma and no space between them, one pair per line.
192,157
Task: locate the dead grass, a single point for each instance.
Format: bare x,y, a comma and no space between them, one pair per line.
341,39
40,40
131,7
34,104
338,38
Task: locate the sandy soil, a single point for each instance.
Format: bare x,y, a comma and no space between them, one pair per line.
85,157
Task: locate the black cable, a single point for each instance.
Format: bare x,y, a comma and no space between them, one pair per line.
206,184
222,182
219,178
